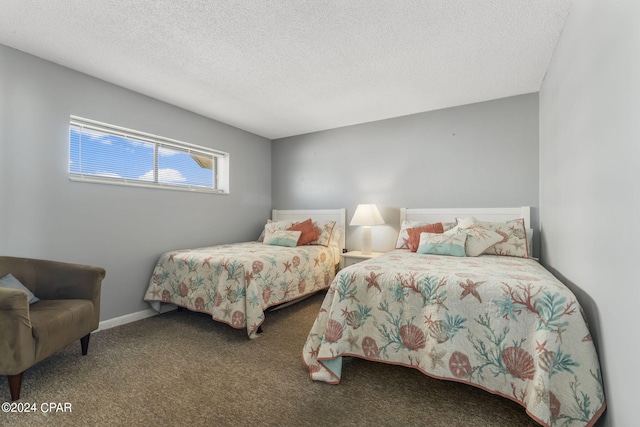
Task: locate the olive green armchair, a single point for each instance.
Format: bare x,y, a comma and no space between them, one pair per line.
68,310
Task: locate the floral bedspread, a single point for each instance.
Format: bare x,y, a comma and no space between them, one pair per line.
503,324
235,283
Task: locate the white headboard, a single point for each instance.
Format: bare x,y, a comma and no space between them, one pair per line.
337,215
481,214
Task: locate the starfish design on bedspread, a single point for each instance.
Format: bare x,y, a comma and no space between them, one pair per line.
372,281
470,288
314,352
541,347
436,358
227,311
353,341
156,292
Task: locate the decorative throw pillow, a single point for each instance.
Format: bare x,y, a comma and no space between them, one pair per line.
324,229
514,241
446,226
272,226
336,243
403,235
308,231
282,238
261,237
479,238
442,244
414,234
529,232
275,225
10,282
337,237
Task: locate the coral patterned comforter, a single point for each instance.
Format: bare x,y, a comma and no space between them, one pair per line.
503,324
235,283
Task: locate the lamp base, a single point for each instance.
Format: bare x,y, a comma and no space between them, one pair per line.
366,240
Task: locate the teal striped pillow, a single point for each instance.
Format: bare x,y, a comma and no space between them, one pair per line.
442,244
282,237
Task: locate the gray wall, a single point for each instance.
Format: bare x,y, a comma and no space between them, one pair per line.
589,191
479,155
123,229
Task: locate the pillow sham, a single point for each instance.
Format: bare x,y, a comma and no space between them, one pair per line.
514,240
442,244
261,237
308,231
336,243
10,282
479,238
324,229
414,234
287,238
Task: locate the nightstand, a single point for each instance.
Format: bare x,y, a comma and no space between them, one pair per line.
354,257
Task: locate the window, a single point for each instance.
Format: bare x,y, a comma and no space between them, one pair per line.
104,153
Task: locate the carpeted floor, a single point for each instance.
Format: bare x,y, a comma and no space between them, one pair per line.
182,368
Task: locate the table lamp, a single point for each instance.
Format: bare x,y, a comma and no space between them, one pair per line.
366,215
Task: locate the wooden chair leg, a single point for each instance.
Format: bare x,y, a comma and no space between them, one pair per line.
84,342
15,382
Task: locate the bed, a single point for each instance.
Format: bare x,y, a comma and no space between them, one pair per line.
236,283
498,321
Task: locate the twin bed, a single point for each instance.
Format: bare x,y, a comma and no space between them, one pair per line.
236,283
498,321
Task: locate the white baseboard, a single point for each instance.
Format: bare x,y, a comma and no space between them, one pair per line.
128,318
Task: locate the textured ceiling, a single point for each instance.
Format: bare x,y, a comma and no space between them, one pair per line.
287,67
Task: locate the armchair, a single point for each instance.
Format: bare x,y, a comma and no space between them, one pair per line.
68,310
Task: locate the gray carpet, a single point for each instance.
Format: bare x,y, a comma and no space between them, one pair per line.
182,368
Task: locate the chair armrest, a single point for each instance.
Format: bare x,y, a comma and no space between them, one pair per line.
17,348
55,279
14,300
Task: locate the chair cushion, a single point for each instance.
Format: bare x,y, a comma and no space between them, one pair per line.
58,323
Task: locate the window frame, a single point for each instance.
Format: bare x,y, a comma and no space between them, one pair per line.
219,159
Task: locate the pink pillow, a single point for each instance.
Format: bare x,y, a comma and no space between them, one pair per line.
414,234
309,233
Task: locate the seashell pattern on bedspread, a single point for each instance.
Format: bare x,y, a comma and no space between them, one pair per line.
503,324
235,283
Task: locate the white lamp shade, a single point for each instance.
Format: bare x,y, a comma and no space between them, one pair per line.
367,214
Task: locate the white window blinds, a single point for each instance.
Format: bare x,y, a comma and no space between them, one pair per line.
104,153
